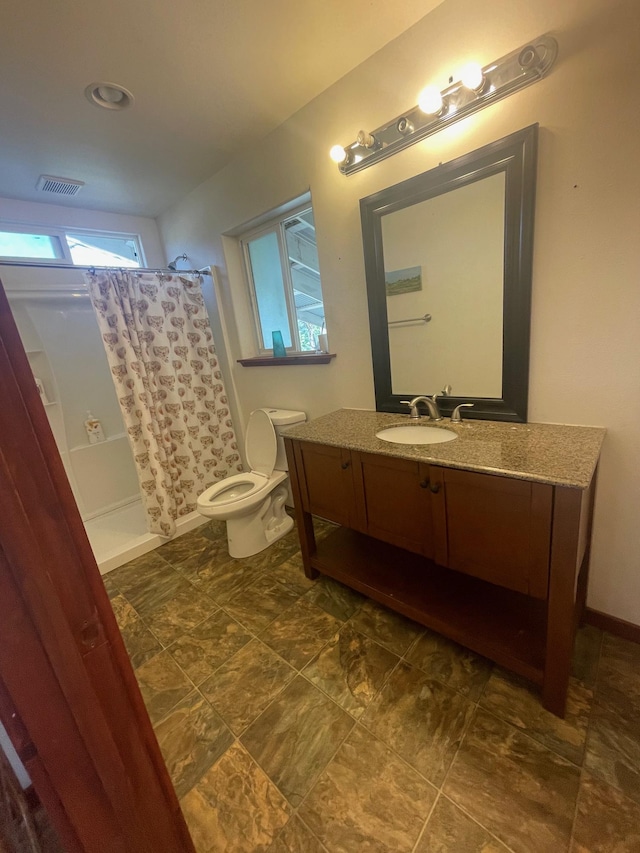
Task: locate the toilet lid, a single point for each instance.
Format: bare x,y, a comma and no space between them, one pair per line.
261,444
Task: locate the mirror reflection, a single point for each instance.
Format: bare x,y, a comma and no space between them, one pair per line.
444,273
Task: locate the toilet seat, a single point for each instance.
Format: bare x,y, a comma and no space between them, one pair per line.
216,501
245,490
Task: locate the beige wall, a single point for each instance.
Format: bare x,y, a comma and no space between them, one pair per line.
586,295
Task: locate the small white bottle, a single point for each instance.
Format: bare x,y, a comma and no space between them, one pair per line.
94,429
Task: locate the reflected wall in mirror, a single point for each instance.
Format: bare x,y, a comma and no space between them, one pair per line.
448,265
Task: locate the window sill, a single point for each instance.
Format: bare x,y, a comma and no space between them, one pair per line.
270,361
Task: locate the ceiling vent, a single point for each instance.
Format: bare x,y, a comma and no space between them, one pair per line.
59,186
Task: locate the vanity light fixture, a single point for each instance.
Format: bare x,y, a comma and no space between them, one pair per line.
477,88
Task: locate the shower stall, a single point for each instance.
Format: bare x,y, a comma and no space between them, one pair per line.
60,335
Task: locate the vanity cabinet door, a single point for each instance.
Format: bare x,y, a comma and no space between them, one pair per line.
397,504
327,487
495,528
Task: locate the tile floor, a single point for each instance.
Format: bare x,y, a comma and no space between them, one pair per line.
299,717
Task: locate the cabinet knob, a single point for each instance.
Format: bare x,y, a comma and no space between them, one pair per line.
344,466
424,484
435,488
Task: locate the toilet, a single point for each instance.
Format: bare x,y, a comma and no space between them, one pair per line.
253,503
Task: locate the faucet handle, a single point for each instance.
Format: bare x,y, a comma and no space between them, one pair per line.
414,409
446,392
456,416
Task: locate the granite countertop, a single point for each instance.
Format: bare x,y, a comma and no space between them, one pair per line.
546,453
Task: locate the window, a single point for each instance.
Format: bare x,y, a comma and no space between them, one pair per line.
281,260
57,245
32,244
103,249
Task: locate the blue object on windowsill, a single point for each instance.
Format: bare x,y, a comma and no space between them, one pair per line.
279,349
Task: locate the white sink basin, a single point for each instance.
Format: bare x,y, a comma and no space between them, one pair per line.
416,435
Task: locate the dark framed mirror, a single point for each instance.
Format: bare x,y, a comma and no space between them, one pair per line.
448,258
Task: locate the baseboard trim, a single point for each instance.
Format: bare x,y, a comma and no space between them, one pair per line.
618,627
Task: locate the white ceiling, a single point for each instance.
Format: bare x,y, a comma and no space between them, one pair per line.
208,76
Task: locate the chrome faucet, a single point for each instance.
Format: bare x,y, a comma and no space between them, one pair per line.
431,404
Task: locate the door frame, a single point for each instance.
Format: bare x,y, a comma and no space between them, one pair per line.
68,695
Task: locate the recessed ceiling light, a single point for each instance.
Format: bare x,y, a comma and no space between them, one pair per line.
111,96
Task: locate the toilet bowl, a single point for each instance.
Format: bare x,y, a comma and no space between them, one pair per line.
253,503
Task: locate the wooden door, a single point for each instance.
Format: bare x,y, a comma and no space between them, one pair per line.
397,501
327,483
495,528
68,696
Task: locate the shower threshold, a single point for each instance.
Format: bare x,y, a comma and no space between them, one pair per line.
121,535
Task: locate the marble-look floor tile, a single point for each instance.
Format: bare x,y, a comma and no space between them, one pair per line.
123,611
296,838
140,643
335,598
453,665
518,702
214,530
234,808
183,547
367,799
449,830
296,736
147,582
110,585
351,669
222,581
523,793
300,632
192,738
322,528
245,684
162,684
278,552
421,719
613,742
187,608
209,644
620,656
291,574
586,654
390,629
205,560
606,821
259,603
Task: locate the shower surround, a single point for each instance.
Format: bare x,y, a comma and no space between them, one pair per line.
59,332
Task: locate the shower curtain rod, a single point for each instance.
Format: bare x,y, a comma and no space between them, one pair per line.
166,271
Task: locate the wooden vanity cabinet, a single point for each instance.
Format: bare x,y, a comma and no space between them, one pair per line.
327,483
494,528
395,500
495,563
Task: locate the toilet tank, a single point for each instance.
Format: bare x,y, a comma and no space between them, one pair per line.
283,418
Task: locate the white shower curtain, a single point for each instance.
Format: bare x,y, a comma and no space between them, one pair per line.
159,345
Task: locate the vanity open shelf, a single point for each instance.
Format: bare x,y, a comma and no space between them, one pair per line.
494,558
505,626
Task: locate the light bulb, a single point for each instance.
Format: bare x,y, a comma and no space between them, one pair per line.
338,154
430,100
472,77
110,94
367,140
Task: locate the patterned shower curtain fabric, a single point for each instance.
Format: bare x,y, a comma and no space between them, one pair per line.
159,345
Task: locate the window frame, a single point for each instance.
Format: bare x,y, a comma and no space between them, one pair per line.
276,225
